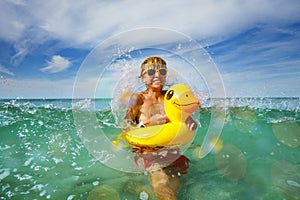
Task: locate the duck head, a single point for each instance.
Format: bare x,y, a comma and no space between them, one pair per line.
180,102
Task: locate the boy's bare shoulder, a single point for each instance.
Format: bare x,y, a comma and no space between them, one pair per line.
137,98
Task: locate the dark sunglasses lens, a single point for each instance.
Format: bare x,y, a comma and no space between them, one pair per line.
163,72
151,72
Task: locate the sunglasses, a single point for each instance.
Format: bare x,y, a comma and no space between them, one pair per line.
162,72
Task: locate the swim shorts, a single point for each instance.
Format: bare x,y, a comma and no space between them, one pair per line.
170,159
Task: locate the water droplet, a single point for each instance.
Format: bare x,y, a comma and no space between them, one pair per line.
231,162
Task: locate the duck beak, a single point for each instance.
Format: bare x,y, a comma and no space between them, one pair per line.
189,102
191,107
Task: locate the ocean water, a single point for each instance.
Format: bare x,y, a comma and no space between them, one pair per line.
257,155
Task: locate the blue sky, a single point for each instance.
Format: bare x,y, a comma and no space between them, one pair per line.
255,45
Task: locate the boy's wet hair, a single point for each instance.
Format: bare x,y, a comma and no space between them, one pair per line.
153,62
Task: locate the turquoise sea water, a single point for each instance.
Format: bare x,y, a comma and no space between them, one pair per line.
256,157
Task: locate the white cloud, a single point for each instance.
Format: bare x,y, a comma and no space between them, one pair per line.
44,88
36,88
263,82
57,64
11,26
89,22
85,24
5,71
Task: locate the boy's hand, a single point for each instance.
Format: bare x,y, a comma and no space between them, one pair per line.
157,119
191,124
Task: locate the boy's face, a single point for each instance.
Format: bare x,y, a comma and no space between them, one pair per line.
155,77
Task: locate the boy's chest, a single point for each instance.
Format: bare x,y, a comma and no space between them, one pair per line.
151,107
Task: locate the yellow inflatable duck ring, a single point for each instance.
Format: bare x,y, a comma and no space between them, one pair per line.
179,104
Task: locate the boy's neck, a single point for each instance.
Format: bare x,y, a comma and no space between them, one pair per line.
155,92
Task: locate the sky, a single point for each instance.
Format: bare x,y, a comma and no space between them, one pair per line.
253,47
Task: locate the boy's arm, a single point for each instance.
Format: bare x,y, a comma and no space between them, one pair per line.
133,110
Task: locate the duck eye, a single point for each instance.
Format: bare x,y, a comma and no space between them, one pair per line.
170,94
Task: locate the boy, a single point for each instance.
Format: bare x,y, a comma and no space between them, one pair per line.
146,108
